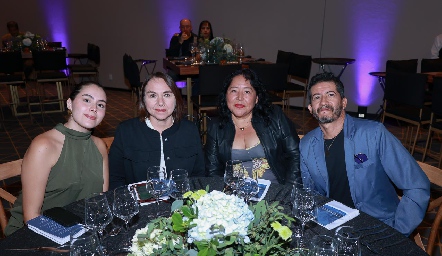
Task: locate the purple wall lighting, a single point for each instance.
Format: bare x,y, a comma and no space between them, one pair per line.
372,24
54,13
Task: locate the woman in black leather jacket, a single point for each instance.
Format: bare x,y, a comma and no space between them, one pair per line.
252,130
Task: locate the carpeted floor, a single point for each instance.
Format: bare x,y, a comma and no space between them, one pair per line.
16,133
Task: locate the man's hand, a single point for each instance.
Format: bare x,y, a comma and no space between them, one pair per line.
183,37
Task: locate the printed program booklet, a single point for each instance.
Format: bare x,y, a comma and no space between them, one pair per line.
334,214
51,229
263,188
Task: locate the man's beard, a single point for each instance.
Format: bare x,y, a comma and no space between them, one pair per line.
336,113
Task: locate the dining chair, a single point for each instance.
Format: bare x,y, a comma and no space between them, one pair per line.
436,121
108,141
404,101
11,74
132,79
434,174
79,56
211,82
50,67
274,78
90,69
8,170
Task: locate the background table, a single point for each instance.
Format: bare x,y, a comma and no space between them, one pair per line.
344,62
25,238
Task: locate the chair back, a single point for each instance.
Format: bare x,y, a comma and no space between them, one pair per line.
405,88
108,141
434,174
300,66
93,53
212,77
283,57
54,44
431,65
273,76
49,60
11,62
131,72
436,105
8,170
406,66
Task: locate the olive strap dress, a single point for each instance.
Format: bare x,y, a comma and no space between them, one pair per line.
77,174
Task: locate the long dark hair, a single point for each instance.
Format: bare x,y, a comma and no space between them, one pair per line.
179,109
262,108
201,25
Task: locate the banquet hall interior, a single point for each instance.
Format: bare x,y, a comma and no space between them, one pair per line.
369,32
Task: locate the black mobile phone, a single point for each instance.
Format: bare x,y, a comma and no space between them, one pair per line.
62,216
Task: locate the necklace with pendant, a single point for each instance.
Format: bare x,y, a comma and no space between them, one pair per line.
327,153
242,128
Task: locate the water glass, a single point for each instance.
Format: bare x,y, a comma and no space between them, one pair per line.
322,245
179,183
97,213
347,241
86,245
157,184
233,173
125,204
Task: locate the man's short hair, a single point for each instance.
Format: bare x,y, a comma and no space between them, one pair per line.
325,77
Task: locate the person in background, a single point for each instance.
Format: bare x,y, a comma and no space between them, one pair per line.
159,136
180,42
252,130
359,162
436,49
12,35
67,163
205,31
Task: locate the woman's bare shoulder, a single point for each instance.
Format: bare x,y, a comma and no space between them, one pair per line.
50,141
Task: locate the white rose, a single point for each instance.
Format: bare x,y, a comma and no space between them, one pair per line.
27,42
228,48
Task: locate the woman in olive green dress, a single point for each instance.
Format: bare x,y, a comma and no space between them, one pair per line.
67,163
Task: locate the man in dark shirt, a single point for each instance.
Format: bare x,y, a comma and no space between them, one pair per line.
180,42
359,162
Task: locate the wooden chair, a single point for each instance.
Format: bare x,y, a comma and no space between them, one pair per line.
434,174
108,141
8,170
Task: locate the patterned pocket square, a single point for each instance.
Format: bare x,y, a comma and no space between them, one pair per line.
360,158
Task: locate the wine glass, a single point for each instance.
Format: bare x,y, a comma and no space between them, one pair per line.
157,184
87,244
179,183
347,241
193,47
303,206
233,172
125,204
97,213
247,188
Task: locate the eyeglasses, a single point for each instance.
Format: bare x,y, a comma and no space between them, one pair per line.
360,158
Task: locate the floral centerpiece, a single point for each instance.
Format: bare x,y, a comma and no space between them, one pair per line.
28,40
216,224
216,50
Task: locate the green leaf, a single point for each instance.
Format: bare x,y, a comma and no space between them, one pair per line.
177,204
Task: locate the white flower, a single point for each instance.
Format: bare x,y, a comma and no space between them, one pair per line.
27,42
217,40
228,48
235,216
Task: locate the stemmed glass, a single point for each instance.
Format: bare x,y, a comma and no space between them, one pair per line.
179,183
157,184
193,47
248,188
97,213
233,173
125,204
303,206
87,244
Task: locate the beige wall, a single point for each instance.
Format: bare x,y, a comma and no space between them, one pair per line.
381,30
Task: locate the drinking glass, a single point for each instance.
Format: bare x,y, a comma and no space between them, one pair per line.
125,204
233,172
240,52
179,183
97,213
247,189
157,184
85,245
303,206
193,47
347,241
322,245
